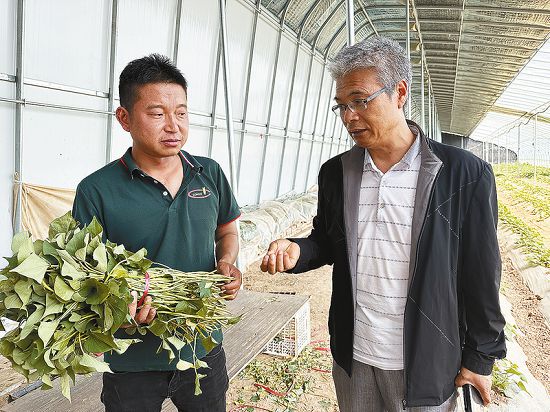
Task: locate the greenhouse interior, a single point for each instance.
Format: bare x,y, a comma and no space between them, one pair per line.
259,94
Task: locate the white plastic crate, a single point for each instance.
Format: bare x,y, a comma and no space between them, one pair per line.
294,337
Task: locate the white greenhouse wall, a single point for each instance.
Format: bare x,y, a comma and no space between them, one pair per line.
66,58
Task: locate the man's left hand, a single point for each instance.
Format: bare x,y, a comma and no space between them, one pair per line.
481,382
232,288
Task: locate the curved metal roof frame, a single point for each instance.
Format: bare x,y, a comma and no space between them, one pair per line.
472,49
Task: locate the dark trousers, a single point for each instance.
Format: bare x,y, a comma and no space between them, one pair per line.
146,391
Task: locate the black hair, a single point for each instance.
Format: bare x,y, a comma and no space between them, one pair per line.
154,68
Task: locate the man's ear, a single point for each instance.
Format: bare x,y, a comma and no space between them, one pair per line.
123,118
402,89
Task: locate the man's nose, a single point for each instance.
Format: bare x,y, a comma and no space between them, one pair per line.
348,116
171,124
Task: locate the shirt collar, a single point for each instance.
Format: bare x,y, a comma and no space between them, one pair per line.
187,160
407,159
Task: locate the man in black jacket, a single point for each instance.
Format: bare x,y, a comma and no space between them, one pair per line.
410,227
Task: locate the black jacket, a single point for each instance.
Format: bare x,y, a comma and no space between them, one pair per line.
452,314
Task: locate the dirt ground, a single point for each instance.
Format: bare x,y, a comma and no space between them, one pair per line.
535,341
319,395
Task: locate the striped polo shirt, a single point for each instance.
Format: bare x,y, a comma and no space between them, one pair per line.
386,205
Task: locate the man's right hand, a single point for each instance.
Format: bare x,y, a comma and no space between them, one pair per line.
281,256
146,313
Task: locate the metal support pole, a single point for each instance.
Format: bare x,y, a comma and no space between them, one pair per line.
519,138
111,99
228,104
535,149
409,98
215,97
288,109
19,95
340,138
247,88
332,138
422,97
329,112
177,30
303,119
350,21
429,133
315,122
269,112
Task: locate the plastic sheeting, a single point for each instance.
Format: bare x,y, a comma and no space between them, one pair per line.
259,225
271,220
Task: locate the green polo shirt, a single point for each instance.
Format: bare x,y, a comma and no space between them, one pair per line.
137,211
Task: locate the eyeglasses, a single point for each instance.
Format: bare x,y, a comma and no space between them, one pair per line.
356,105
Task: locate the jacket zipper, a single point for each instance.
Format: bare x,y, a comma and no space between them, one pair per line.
412,280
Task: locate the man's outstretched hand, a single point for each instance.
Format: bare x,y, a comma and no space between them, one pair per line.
281,256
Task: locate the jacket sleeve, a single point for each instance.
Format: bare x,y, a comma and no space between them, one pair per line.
479,279
315,250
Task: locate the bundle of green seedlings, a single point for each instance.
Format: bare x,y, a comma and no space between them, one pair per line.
70,294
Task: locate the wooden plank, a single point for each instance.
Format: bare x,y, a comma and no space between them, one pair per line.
263,316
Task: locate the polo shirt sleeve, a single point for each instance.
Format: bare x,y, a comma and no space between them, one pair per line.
228,207
83,207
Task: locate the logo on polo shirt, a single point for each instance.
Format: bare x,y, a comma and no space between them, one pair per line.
201,193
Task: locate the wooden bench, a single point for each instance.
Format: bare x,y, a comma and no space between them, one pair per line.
264,315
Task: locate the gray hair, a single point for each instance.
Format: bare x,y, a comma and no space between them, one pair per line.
385,55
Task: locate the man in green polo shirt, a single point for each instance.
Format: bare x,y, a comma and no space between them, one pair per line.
181,209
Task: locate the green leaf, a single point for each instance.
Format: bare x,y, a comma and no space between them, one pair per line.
52,306
13,302
46,330
82,325
49,249
81,254
30,323
19,356
157,327
232,321
37,246
94,228
68,270
46,382
98,342
183,365
62,290
24,290
209,343
100,256
198,390
33,267
124,344
25,250
65,385
108,318
138,256
94,291
119,250
95,363
47,358
76,242
18,240
119,310
178,344
119,272
62,224
66,256
201,364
